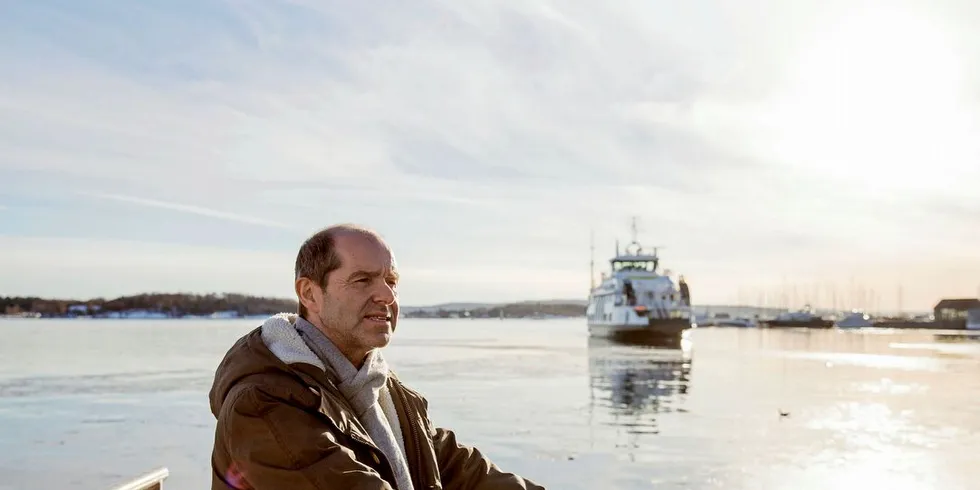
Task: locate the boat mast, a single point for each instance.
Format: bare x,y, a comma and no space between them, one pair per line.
633,232
592,260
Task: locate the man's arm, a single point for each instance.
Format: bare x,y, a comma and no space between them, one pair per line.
275,446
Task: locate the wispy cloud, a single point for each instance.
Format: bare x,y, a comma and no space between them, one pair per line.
89,267
186,208
488,133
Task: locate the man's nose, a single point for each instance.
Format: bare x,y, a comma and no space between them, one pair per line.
385,295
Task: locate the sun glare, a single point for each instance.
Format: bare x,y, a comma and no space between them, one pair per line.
878,99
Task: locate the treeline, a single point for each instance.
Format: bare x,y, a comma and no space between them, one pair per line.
168,304
177,305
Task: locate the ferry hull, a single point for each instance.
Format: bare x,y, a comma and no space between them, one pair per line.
654,329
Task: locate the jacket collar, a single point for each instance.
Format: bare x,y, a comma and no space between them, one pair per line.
280,336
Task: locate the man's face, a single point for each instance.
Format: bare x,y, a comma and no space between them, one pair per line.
359,307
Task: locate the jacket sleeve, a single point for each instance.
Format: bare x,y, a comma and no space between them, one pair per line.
272,445
466,468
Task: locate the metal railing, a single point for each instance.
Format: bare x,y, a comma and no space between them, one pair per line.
150,481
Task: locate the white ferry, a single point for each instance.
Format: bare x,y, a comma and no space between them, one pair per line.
637,299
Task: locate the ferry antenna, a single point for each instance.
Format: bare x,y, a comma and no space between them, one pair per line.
592,259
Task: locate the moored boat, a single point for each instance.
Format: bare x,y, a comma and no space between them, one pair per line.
804,318
856,319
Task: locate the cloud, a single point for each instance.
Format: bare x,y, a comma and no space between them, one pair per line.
186,208
82,267
471,134
380,107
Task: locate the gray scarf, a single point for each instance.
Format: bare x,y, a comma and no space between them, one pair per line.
367,393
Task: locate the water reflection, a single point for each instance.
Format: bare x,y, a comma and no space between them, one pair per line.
632,384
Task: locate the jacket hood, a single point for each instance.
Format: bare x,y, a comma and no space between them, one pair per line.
273,349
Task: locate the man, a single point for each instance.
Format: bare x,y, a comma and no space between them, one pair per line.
307,402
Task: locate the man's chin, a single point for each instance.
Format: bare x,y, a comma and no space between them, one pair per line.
379,340
381,332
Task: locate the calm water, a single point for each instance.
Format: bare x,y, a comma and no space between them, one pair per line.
86,404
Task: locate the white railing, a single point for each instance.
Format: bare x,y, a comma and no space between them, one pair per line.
150,481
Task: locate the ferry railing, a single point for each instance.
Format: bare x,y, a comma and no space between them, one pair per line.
149,481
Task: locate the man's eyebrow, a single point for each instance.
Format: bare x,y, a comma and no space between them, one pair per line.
375,273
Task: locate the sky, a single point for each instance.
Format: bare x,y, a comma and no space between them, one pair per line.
767,146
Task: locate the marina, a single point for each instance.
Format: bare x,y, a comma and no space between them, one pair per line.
637,299
948,314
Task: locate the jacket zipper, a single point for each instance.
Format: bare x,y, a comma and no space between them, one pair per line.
416,438
382,457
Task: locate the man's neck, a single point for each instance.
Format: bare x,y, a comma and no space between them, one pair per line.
355,356
359,355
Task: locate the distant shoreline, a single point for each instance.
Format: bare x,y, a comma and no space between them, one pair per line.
258,318
164,306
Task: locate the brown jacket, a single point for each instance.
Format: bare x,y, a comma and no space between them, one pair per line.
282,424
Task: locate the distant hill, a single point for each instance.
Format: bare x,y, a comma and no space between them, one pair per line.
461,306
523,309
447,307
581,302
232,305
158,305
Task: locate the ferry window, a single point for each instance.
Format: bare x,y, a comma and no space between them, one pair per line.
637,265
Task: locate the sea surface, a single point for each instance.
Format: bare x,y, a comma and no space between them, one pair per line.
87,404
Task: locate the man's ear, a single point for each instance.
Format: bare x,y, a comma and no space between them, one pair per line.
309,293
